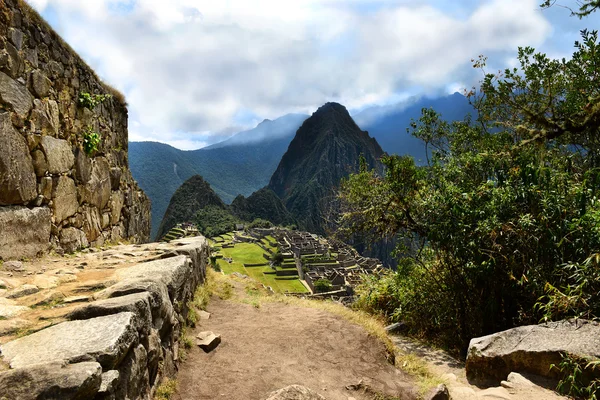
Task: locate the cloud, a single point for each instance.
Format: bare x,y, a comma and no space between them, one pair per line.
194,65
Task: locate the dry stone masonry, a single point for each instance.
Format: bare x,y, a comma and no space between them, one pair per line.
54,195
102,325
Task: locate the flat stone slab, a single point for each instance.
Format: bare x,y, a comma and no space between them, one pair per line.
208,341
531,349
52,381
172,271
203,315
9,308
103,339
22,291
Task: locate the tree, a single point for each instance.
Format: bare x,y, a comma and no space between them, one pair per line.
506,209
585,7
323,285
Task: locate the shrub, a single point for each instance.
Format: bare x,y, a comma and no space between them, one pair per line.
90,101
323,285
91,141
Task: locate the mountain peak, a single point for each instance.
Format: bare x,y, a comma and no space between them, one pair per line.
331,107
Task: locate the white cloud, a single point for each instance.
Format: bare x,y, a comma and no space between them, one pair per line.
192,65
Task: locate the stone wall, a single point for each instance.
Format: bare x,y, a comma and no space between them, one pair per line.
54,195
119,346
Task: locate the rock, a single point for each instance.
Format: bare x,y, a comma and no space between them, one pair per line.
45,187
137,303
115,178
173,272
9,308
396,327
22,291
52,381
134,375
13,325
110,379
18,183
203,315
73,239
519,380
497,393
97,189
208,341
76,299
40,166
531,349
16,37
160,302
58,153
25,232
40,83
104,339
83,166
91,223
294,392
13,266
51,297
439,393
117,199
64,196
16,95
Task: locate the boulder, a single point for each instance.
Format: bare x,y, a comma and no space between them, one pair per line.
439,393
103,339
134,375
92,224
294,392
83,166
531,349
22,291
52,381
73,239
174,272
16,95
97,190
137,303
9,308
208,341
25,232
163,315
59,156
40,83
13,266
18,183
64,194
110,379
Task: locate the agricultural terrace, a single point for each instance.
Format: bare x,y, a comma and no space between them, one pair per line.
250,253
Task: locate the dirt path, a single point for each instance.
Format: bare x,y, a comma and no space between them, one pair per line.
275,345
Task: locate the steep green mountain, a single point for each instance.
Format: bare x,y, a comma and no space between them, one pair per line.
240,165
263,204
326,148
194,195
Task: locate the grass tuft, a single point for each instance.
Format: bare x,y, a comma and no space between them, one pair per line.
166,390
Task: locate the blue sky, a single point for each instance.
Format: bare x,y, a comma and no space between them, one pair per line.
196,71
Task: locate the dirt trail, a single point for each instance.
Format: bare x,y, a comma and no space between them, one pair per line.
275,345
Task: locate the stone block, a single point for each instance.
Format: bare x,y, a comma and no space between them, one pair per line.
208,341
97,190
15,94
40,83
52,381
64,195
59,157
73,239
17,177
104,339
25,232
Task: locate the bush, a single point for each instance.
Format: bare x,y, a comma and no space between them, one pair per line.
323,285
91,141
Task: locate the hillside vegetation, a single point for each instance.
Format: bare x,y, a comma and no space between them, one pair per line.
501,224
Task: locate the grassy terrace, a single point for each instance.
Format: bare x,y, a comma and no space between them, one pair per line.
249,253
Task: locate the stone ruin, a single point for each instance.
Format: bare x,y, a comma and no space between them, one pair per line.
54,195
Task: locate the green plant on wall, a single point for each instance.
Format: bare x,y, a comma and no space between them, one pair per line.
90,101
91,140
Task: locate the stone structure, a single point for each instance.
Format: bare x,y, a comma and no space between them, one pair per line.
52,193
114,343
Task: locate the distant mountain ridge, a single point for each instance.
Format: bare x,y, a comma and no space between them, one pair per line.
232,169
326,148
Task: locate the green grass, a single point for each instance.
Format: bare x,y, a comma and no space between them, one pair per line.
249,253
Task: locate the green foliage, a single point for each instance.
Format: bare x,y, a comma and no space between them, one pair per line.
506,210
260,223
214,220
91,140
586,7
90,101
277,257
576,381
323,285
166,390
